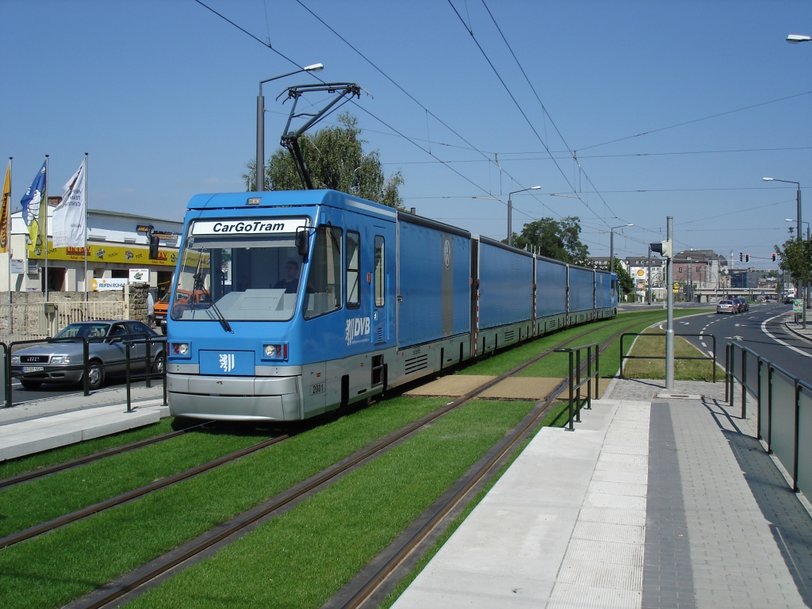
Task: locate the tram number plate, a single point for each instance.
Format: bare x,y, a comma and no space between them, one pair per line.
27,369
317,388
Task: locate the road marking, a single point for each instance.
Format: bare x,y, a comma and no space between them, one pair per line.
778,340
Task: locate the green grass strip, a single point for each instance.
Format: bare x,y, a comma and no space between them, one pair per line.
49,571
64,454
556,366
46,498
304,557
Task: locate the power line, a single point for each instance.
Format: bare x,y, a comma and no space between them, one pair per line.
697,120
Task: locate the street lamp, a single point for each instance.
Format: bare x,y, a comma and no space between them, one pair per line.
612,244
798,235
510,212
796,38
802,223
797,200
259,182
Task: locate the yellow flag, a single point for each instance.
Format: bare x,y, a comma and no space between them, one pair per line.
5,208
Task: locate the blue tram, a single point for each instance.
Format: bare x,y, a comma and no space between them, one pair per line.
299,302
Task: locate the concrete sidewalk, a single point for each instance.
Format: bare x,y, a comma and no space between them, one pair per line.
33,427
652,502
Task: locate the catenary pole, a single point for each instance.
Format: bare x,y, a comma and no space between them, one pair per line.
669,329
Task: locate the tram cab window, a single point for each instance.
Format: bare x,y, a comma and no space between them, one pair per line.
241,277
324,281
353,269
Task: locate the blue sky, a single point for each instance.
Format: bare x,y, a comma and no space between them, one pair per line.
638,109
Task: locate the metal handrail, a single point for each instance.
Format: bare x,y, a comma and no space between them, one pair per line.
128,342
575,382
764,397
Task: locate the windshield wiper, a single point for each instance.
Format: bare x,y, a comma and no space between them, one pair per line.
199,284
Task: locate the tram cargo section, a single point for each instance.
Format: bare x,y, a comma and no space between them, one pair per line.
312,300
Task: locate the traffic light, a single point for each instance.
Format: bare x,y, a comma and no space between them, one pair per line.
773,256
153,247
663,248
741,257
747,257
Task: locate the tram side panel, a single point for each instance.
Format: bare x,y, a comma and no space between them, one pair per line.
551,295
505,286
434,295
605,294
581,295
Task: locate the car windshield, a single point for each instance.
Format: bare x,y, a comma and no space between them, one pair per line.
236,275
83,330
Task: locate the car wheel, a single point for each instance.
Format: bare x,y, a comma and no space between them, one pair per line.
95,374
30,384
158,365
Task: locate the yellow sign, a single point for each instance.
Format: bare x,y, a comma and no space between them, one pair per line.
123,254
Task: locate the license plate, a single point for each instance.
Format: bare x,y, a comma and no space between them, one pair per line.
27,369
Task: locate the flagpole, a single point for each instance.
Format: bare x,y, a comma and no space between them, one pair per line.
85,247
8,250
44,227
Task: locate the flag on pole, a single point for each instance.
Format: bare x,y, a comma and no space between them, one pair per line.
33,204
5,208
70,216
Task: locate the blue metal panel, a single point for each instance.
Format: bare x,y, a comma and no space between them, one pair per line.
581,286
604,297
551,290
434,282
505,285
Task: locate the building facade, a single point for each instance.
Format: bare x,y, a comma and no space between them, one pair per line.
116,252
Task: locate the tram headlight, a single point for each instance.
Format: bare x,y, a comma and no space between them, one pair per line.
277,351
181,349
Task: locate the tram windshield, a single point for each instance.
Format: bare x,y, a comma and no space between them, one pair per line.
243,277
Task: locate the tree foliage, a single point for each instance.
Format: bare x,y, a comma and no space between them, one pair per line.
336,160
558,239
624,280
796,259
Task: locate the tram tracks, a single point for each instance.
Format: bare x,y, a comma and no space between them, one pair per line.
204,545
158,570
97,456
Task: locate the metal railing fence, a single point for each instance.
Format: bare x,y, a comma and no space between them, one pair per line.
784,415
152,365
576,381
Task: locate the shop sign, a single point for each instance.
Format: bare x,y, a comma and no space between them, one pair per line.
139,275
106,285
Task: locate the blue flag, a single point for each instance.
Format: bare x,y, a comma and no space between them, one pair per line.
32,198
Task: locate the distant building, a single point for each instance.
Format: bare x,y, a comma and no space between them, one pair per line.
116,251
700,270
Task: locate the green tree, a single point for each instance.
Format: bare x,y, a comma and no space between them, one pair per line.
624,280
796,259
558,239
336,160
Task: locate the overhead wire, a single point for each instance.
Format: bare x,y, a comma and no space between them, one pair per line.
361,108
544,109
385,75
519,107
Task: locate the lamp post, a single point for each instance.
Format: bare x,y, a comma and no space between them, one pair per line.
797,200
510,211
798,235
804,222
612,245
796,38
259,181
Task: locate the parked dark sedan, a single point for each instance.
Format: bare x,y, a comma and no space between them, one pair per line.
61,359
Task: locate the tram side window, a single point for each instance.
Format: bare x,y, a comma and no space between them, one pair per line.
324,285
380,272
353,269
